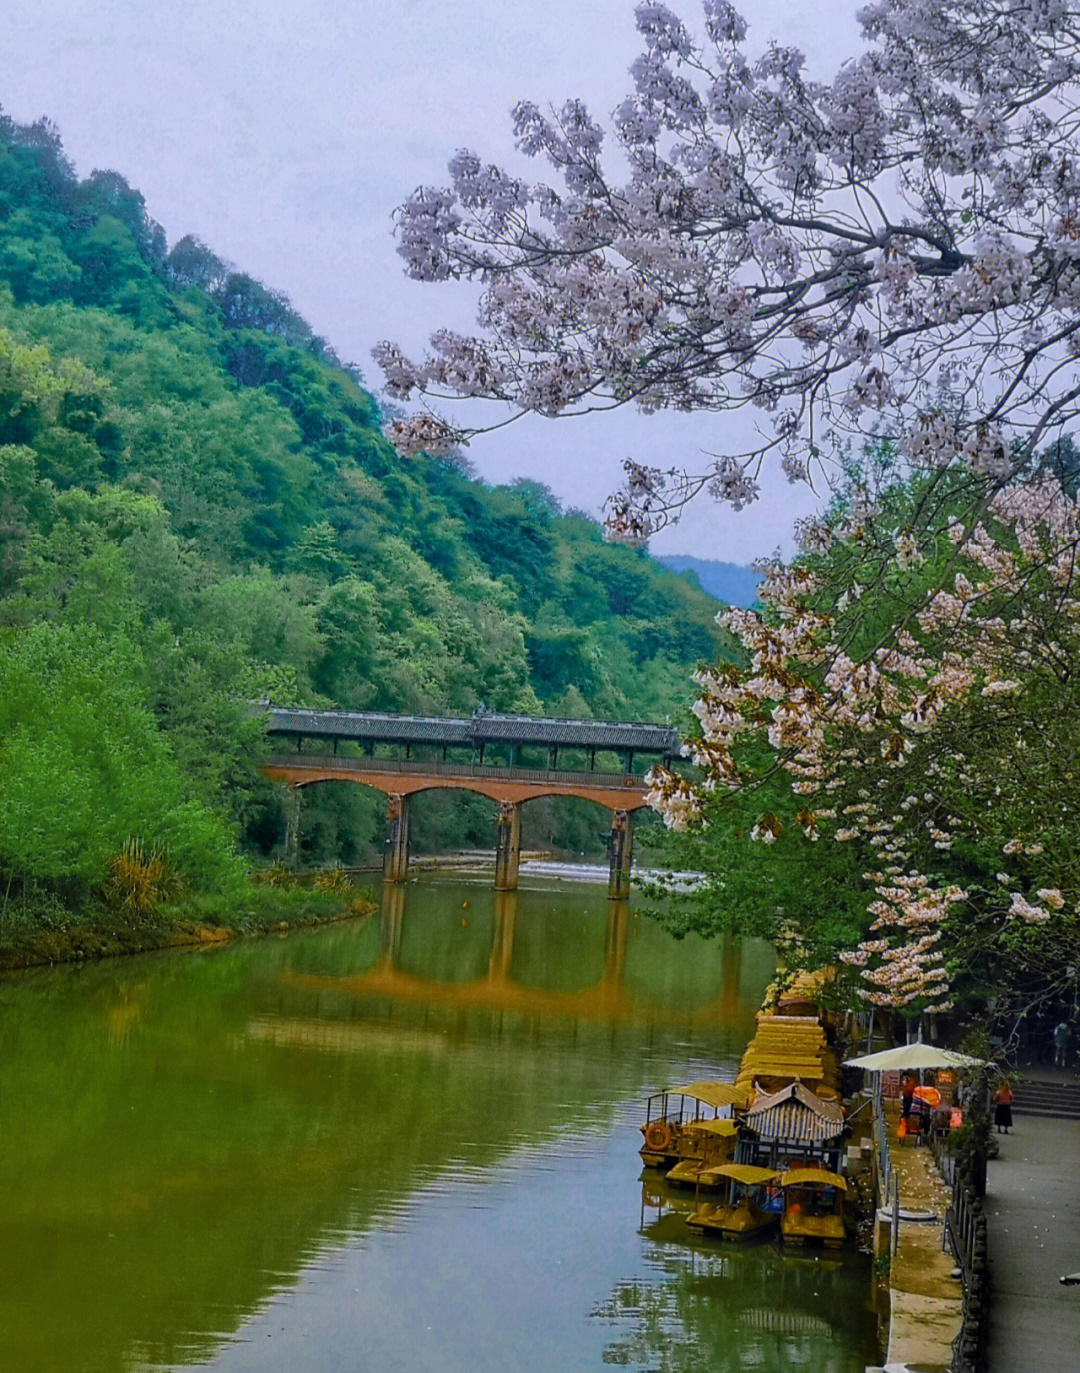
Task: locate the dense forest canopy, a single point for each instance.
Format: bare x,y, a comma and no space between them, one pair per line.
197,508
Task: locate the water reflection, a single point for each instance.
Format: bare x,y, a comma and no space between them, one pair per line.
777,1311
425,1121
483,955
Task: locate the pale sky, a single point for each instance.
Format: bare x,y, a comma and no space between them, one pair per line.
284,132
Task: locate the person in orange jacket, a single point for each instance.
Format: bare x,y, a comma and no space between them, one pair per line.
1003,1100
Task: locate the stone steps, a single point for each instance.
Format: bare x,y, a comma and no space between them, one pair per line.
1035,1097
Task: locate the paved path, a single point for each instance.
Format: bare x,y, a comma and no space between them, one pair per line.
1033,1237
926,1303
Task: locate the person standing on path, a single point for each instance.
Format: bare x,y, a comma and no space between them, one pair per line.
1061,1035
1003,1100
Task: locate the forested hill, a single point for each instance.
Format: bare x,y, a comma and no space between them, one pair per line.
197,507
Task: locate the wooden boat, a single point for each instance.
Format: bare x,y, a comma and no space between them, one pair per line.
813,1206
712,1142
669,1113
786,1049
743,1210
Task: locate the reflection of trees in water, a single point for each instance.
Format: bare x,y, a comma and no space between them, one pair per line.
562,954
738,1308
183,1134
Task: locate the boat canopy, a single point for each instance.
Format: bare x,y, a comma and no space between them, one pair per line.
723,1126
797,1115
802,1177
745,1173
715,1094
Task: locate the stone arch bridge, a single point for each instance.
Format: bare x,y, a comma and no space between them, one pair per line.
491,755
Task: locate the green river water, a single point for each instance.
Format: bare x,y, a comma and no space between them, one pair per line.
402,1143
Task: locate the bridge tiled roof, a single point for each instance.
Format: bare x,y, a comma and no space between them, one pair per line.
470,731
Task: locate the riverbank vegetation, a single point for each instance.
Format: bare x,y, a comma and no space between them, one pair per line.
197,509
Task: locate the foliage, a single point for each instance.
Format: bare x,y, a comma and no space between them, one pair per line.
334,878
909,701
890,255
138,881
197,509
277,874
84,767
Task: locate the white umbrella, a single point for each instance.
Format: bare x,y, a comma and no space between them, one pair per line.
914,1056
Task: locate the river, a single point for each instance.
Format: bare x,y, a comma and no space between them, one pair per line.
402,1143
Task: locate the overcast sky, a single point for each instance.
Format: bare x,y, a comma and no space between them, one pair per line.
284,132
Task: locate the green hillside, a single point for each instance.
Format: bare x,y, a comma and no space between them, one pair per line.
197,508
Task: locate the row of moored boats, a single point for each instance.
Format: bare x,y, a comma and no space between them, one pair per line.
765,1152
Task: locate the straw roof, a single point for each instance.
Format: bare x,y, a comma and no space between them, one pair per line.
789,1048
746,1173
721,1126
715,1094
806,1177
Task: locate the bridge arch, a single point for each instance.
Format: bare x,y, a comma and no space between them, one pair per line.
509,788
347,734
615,791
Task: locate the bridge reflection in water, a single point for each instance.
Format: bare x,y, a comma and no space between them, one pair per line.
276,1153
508,783
503,987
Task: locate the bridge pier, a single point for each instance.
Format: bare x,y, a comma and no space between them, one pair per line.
615,950
508,846
622,851
396,853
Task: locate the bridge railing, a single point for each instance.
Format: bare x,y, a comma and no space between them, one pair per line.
413,767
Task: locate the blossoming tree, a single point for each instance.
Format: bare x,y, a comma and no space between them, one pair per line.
830,253
929,721
894,251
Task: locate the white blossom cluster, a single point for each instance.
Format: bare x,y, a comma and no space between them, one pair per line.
840,725
422,433
822,249
904,963
731,483
813,534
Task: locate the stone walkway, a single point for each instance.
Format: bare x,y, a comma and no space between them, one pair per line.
1033,1237
926,1303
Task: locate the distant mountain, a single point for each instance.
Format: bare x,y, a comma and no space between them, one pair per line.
728,582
